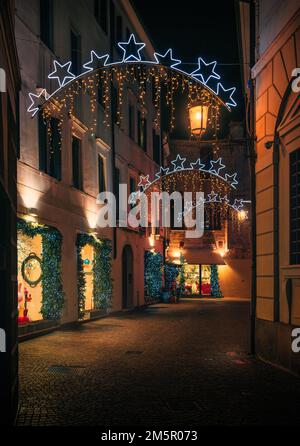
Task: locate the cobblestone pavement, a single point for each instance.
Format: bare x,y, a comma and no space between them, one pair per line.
184,364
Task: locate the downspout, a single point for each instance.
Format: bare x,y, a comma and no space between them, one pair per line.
252,160
112,128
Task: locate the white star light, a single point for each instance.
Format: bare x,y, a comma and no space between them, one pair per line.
167,59
131,44
62,73
179,163
216,166
229,101
36,101
199,72
238,204
231,179
162,172
96,60
213,197
198,165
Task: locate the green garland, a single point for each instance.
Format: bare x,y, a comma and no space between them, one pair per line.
171,273
215,284
102,273
153,263
52,290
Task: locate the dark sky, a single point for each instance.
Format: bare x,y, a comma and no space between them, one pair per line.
205,28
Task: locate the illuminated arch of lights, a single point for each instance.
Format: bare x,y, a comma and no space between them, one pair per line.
205,73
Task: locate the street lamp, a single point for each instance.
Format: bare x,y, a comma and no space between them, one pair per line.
198,114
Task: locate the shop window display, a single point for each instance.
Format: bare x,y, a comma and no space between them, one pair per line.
29,278
87,254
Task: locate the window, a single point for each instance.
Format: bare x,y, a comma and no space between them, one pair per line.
119,29
50,147
156,148
112,24
46,22
76,163
101,174
212,220
132,188
142,131
75,53
128,33
100,11
131,126
295,207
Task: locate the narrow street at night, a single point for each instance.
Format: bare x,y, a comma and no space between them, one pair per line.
157,365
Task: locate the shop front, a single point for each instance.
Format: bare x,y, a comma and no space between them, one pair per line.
200,270
40,294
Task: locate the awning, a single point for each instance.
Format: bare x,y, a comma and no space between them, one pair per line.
203,257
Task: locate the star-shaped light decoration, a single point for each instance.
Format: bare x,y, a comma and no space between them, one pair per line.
231,179
205,71
96,61
238,204
37,100
198,165
133,198
162,172
132,49
216,166
224,199
62,73
167,59
213,197
226,95
188,206
179,163
144,182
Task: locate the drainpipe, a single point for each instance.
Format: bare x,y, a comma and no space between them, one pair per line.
112,124
252,160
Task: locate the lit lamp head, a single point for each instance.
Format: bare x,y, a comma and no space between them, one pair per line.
198,115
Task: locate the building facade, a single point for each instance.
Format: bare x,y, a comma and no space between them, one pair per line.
270,32
225,245
9,147
58,182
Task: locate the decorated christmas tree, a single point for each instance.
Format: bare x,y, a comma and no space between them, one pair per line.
215,284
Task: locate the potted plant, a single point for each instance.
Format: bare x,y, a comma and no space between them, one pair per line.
165,295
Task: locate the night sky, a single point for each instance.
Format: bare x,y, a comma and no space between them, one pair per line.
194,29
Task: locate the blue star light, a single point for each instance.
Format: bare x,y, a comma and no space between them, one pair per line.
216,166
131,49
62,73
205,71
179,163
162,172
198,165
167,59
226,95
96,61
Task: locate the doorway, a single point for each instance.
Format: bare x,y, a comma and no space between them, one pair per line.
127,277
